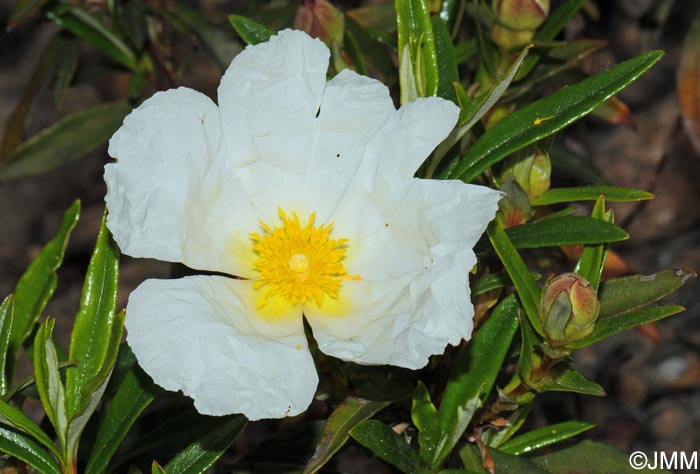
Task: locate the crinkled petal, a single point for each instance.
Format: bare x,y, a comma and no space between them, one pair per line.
172,194
400,322
201,335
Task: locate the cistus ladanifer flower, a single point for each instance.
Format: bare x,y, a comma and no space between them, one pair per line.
299,194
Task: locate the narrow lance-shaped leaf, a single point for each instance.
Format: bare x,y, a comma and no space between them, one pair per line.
93,328
335,434
612,325
568,380
6,315
446,64
473,375
566,230
425,417
200,455
590,264
626,294
388,446
85,25
546,116
416,31
249,30
591,193
14,418
65,141
26,449
37,284
528,291
134,394
545,436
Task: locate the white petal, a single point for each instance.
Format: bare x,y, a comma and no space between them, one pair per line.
400,322
199,335
172,194
412,134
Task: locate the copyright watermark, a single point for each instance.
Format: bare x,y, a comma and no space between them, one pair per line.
675,460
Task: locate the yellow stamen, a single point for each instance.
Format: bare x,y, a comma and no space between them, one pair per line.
299,263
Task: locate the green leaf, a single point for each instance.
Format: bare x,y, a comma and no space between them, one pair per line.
388,446
555,22
197,457
416,31
528,291
96,330
546,116
509,464
134,394
65,141
591,457
24,448
347,415
425,417
157,468
14,418
627,294
473,375
546,436
48,379
591,193
493,282
515,421
590,264
6,316
85,25
568,380
250,31
567,230
611,325
446,64
38,283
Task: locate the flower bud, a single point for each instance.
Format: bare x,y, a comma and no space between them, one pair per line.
531,168
516,21
514,208
322,20
569,308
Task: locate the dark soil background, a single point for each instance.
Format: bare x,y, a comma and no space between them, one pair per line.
653,401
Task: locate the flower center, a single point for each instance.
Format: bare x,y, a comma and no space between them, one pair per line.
299,263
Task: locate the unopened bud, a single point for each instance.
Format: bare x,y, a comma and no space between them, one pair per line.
531,168
516,21
322,20
569,308
514,209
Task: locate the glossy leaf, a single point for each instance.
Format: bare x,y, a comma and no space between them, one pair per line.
200,455
446,63
249,30
528,291
546,436
425,417
48,379
85,25
134,394
348,414
630,293
591,193
510,464
546,116
38,283
592,261
388,446
555,23
569,380
157,468
591,457
14,418
26,449
473,375
567,230
611,325
65,141
515,421
96,328
415,31
6,316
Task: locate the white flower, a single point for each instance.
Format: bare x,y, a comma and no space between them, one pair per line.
304,190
